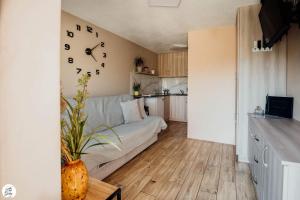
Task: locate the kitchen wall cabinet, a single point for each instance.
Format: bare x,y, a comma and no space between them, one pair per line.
178,108
173,64
274,158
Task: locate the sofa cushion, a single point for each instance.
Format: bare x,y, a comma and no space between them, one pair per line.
131,111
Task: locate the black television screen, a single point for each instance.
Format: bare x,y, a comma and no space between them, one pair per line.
280,106
274,21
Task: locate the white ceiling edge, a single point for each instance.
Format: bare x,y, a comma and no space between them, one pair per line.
156,28
170,47
164,3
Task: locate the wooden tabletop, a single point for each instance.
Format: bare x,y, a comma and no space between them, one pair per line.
99,190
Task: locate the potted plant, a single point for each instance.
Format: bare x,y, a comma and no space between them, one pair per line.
139,63
136,88
74,143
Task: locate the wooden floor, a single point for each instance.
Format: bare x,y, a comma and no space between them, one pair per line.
179,168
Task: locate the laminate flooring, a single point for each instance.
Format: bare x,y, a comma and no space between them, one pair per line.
176,167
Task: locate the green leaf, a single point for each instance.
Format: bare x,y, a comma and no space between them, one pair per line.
72,130
109,128
96,144
87,141
68,103
82,124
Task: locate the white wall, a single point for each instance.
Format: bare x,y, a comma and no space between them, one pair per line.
29,103
293,68
211,100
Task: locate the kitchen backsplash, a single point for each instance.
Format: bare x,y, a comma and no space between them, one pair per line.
175,84
149,84
154,84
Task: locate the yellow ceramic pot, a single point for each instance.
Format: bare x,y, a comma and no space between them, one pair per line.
136,93
74,178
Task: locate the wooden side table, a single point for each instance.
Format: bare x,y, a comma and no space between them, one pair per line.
99,190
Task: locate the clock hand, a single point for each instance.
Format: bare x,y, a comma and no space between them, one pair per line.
95,47
93,57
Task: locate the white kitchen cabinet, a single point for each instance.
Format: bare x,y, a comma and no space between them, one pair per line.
167,108
178,108
156,106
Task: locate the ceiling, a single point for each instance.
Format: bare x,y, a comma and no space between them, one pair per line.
155,28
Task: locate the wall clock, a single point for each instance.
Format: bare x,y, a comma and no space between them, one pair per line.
85,49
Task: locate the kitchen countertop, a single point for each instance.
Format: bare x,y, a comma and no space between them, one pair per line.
160,95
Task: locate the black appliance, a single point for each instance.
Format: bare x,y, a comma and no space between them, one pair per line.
275,17
280,106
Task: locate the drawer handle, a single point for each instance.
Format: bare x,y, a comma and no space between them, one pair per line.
255,160
254,180
256,139
263,156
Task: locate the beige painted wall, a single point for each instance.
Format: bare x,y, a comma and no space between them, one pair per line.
29,103
293,68
211,101
114,79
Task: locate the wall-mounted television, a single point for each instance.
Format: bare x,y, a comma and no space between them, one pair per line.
274,20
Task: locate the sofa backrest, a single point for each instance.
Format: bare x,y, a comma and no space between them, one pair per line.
104,110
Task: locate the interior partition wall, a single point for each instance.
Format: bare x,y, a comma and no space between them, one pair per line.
259,74
29,98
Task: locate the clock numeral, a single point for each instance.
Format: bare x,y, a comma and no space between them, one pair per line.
70,34
78,70
89,29
97,35
70,60
78,27
102,44
97,71
67,47
89,74
103,65
104,55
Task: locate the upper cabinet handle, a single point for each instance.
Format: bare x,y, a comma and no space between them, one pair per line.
256,139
